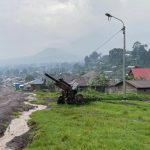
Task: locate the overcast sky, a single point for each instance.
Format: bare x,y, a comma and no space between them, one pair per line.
79,26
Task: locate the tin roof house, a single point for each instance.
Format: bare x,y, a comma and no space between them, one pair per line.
136,86
36,84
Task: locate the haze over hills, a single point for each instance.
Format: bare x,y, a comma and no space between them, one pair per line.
56,55
49,55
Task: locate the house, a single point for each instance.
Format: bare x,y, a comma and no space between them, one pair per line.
136,86
140,73
84,81
36,84
89,76
84,84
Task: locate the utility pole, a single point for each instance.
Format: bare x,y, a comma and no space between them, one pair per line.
124,53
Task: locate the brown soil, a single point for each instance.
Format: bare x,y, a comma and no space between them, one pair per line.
19,142
11,101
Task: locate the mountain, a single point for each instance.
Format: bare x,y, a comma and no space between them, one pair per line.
54,55
49,55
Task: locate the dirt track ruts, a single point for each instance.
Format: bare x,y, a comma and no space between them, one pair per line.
10,101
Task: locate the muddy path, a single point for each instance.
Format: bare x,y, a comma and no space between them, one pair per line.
10,101
13,130
17,127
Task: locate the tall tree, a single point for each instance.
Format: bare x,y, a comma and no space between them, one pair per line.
140,54
101,80
92,59
115,56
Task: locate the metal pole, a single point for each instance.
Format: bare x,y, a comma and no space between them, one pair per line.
124,53
124,62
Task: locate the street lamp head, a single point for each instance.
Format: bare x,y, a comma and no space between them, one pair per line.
108,15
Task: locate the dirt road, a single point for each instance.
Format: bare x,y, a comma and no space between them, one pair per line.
10,101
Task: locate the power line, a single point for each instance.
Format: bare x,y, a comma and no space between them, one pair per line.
109,39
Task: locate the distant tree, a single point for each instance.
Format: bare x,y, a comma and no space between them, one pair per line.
94,56
116,56
105,59
140,54
129,77
92,59
29,78
101,80
86,60
136,45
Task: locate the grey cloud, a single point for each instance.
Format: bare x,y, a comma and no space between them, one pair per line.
32,25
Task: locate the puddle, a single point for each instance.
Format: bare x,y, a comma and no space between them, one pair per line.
18,126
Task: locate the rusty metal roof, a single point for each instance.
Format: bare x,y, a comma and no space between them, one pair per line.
141,73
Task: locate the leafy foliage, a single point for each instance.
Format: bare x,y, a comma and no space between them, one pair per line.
92,59
141,55
115,56
101,80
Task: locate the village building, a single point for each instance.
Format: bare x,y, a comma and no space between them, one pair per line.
135,86
85,81
36,84
84,84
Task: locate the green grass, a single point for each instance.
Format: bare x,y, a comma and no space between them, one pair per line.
43,97
104,125
92,95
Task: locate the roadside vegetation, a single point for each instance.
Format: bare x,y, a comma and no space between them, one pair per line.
102,123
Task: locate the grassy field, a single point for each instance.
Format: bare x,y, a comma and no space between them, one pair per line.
98,125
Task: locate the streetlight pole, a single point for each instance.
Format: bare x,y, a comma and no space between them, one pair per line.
124,52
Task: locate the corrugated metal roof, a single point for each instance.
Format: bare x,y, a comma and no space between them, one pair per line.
141,73
136,83
139,83
36,81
